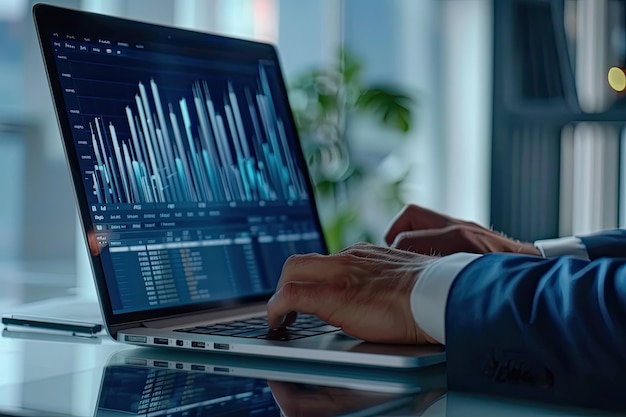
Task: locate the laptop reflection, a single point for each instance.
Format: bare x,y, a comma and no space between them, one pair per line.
150,382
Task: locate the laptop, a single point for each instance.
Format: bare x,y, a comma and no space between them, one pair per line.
191,186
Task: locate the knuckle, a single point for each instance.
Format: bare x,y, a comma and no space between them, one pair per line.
410,208
302,298
297,260
290,291
403,236
405,239
463,232
357,248
351,257
455,229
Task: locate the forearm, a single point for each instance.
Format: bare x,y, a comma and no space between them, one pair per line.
429,296
550,329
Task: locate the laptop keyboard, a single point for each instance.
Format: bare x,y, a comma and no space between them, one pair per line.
306,325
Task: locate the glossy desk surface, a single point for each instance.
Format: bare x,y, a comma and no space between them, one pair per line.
52,375
42,375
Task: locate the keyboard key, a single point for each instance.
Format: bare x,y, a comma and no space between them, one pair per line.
197,331
258,320
227,332
218,326
254,333
240,324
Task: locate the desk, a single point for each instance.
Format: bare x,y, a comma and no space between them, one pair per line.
100,377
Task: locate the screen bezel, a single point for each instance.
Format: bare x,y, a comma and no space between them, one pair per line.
50,19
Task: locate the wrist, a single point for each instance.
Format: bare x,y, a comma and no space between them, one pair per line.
430,293
527,249
563,246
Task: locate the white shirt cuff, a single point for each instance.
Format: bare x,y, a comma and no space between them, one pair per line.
570,245
430,293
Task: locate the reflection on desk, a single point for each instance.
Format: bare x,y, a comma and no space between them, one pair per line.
139,390
129,390
50,336
49,378
148,381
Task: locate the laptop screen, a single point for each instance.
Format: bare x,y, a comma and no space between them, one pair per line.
191,182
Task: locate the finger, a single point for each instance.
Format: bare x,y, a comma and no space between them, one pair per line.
452,239
311,268
315,298
367,252
423,242
414,217
286,320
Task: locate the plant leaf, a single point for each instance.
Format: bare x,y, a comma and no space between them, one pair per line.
392,107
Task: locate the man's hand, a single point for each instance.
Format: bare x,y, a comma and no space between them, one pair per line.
420,230
364,289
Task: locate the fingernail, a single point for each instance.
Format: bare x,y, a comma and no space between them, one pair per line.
281,321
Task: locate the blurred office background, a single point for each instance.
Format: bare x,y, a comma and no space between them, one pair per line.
511,121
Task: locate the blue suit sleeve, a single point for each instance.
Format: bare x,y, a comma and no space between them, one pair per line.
544,329
609,243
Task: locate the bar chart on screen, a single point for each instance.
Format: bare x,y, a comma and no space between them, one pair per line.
192,183
192,150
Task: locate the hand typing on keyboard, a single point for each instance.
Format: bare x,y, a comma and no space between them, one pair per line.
363,289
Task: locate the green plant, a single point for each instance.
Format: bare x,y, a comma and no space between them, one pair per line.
326,103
